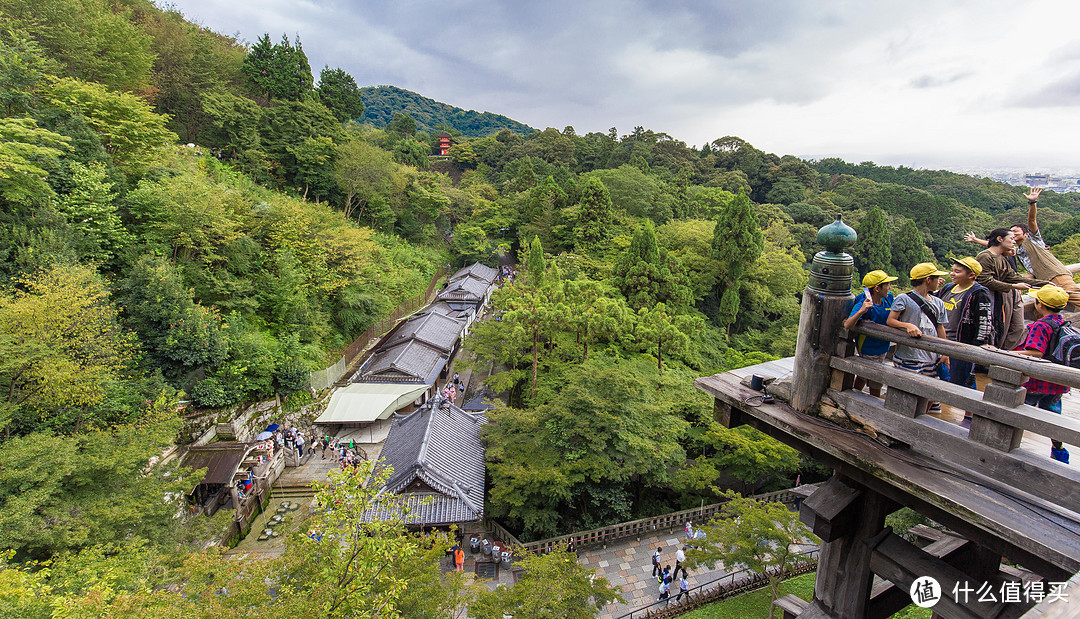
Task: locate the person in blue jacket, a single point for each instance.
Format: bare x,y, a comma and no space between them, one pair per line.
875,308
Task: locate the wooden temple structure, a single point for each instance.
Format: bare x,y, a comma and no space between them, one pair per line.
1012,513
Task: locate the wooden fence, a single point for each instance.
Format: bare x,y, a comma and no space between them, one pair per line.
323,379
643,526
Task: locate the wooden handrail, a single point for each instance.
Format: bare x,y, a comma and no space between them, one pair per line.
1030,366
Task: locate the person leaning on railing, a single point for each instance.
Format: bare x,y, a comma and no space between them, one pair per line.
1049,301
969,315
920,313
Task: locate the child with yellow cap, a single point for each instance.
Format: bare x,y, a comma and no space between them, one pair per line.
969,315
875,308
1049,301
920,313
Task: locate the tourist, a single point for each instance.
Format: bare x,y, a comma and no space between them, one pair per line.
1049,301
459,558
1032,252
300,445
684,587
656,562
876,308
969,316
1002,279
665,590
680,558
920,313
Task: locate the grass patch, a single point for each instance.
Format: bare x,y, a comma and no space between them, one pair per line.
755,605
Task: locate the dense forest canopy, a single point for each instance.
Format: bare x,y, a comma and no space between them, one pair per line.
184,217
382,103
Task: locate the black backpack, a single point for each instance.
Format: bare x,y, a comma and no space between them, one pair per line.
1064,346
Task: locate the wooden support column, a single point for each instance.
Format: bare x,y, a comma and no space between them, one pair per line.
849,515
1005,389
820,321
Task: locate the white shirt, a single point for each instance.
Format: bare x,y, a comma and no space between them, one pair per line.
680,556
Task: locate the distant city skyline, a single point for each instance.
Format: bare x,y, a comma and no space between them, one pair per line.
925,84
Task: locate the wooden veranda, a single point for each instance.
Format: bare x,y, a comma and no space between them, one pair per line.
1002,497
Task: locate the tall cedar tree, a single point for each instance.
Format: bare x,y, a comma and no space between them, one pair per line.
339,93
872,249
908,249
737,242
278,71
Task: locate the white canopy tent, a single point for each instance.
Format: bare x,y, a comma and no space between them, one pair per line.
368,402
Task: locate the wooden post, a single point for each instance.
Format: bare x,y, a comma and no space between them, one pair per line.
1005,389
819,324
844,579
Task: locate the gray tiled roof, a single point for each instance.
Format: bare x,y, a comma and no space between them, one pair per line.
432,328
465,288
441,448
410,358
451,311
478,271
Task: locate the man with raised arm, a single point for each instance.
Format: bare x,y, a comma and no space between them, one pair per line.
1033,253
1006,284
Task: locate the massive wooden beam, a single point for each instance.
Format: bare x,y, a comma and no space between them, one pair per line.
830,511
901,563
936,438
819,322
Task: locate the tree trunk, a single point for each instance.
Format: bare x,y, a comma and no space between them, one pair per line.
536,340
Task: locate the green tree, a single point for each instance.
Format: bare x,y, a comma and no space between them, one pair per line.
552,586
278,71
756,534
403,124
62,345
178,335
371,183
665,330
62,493
737,243
594,313
92,40
908,248
593,214
872,249
90,209
535,265
645,275
339,93
128,128
27,154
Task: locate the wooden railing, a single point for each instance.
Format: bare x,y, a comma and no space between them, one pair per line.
999,415
663,522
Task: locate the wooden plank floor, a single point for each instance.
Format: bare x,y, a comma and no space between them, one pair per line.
1070,405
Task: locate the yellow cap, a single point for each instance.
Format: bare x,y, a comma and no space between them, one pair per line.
1052,297
926,269
970,264
874,278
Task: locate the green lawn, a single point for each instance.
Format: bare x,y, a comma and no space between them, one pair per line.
755,605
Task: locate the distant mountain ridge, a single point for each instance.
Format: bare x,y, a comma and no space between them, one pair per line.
382,102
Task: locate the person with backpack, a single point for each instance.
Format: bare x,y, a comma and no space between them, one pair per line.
920,313
656,562
875,308
1043,341
969,316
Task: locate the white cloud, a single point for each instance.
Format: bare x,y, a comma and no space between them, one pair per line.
962,83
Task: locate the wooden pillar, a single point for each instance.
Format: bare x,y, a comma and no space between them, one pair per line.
848,515
819,324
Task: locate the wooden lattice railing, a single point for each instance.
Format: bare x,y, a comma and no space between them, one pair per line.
1000,416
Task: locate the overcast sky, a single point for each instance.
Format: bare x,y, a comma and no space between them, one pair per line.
922,83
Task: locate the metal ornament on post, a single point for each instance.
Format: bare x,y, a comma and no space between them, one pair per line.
826,300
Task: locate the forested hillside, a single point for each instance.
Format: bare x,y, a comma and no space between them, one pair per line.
381,103
184,218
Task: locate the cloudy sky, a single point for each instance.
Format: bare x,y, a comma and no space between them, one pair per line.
957,84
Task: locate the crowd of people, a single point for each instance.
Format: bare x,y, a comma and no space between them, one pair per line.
982,306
